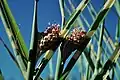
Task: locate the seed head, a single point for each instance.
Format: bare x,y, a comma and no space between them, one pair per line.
73,42
77,36
51,38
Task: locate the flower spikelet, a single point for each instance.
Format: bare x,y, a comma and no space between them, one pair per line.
50,39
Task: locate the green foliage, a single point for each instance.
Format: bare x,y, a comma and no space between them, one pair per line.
98,62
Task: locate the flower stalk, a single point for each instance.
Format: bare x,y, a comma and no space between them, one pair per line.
33,46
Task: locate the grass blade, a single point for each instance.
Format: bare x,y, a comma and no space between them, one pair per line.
58,64
79,21
13,26
100,17
61,3
91,64
73,17
33,46
51,68
43,63
106,35
117,31
99,53
14,35
109,64
10,53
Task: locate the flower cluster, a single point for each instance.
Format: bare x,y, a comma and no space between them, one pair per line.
73,42
50,39
77,36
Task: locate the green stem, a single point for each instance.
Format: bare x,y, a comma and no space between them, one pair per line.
58,64
33,46
43,63
61,3
79,21
99,53
73,17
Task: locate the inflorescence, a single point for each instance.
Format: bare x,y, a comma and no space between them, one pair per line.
51,40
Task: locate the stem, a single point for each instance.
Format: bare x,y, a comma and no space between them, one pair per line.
61,3
73,17
99,53
109,63
33,46
100,17
43,63
58,64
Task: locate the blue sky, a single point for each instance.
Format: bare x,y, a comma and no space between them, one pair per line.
48,11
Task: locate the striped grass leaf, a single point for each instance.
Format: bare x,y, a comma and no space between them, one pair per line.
106,35
13,27
100,17
88,57
99,53
98,64
109,64
83,66
86,53
106,56
106,32
85,20
73,17
112,74
14,36
78,20
91,11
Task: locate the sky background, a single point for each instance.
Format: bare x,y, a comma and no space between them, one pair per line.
48,11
